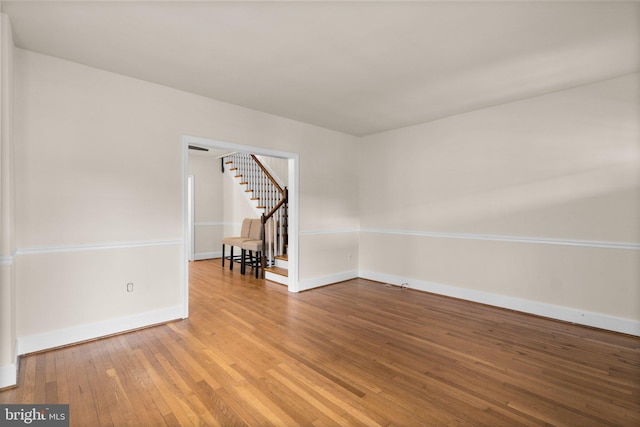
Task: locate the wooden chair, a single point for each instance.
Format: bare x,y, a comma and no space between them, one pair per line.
238,240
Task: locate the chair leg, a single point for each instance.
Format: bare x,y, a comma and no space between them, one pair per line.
223,254
231,259
263,263
257,264
243,265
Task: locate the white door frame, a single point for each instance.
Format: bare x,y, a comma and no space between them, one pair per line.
190,218
293,207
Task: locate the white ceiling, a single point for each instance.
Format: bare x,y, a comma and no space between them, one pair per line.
356,67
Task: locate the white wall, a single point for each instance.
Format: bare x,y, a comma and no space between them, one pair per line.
237,206
209,202
7,205
99,188
509,205
278,168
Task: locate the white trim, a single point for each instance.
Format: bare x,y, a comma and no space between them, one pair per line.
330,279
214,224
75,334
94,247
194,140
207,255
8,375
512,239
275,277
184,265
293,251
322,232
7,260
191,217
567,314
486,237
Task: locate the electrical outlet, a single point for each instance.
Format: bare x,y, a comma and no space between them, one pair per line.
129,287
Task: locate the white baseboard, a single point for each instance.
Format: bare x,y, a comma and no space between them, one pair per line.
207,255
38,342
567,314
8,375
316,282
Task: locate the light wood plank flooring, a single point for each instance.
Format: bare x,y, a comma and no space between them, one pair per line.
354,353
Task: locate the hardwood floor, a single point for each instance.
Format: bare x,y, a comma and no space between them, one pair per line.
353,353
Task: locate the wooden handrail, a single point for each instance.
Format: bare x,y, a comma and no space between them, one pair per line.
276,207
266,172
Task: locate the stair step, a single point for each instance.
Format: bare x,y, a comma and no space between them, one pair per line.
277,270
244,183
238,176
228,163
281,262
284,257
233,169
261,207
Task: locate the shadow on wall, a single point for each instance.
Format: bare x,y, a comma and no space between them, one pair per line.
554,207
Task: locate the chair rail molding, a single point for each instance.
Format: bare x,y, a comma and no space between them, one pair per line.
502,238
40,250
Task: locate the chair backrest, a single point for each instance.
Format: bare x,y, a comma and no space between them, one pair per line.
245,231
256,230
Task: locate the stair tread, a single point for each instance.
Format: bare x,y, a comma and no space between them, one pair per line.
278,270
284,257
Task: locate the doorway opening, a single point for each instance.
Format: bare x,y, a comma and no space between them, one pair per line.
293,181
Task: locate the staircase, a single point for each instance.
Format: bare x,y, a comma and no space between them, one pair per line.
270,200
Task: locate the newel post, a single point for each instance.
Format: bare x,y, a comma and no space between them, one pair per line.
263,253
